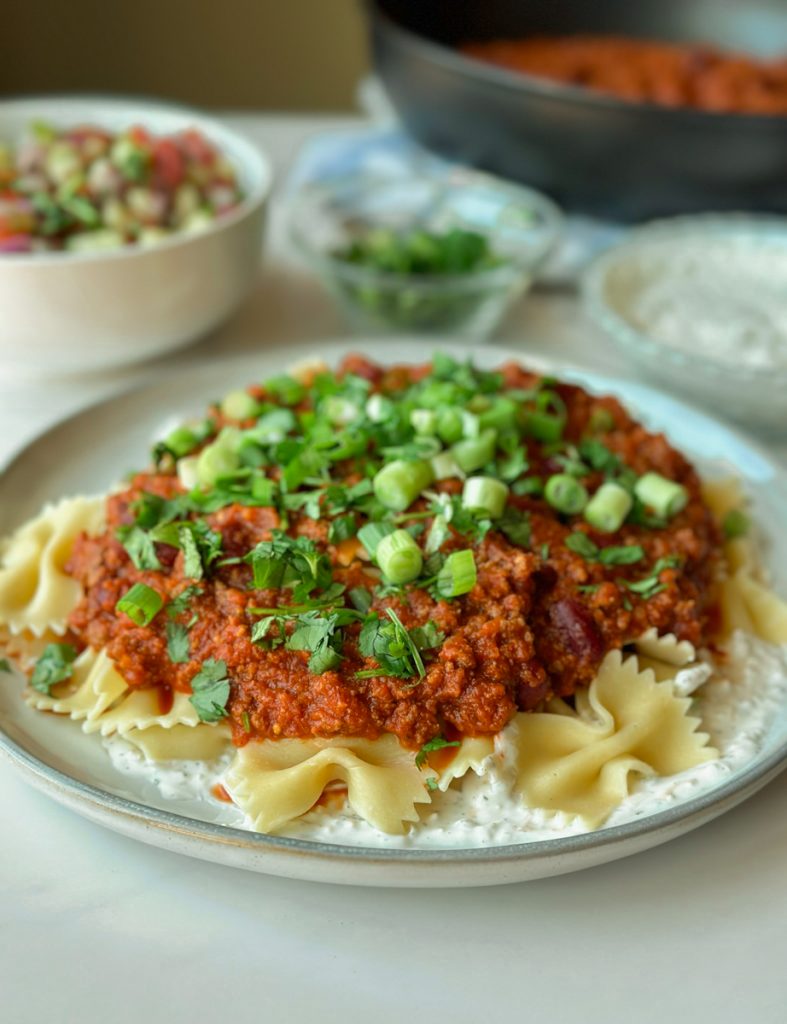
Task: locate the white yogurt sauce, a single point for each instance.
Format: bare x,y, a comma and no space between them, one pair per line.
738,710
724,297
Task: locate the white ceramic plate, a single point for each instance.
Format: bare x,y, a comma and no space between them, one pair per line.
90,451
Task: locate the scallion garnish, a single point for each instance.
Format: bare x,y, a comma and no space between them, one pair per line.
457,576
664,496
399,557
565,494
141,603
607,509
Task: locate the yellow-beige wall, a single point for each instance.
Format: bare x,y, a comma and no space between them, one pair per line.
257,54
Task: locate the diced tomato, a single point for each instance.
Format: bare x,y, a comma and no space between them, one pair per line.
169,168
140,136
196,147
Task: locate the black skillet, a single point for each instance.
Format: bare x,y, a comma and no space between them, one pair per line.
592,152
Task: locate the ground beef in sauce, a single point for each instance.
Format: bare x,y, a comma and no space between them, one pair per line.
537,623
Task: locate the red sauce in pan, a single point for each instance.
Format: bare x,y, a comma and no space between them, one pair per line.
646,71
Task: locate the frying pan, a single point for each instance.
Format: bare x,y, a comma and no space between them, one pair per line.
593,153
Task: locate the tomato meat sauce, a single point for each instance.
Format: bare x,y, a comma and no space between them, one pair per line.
537,622
647,71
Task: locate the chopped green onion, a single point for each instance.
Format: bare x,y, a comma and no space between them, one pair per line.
399,557
601,421
485,494
664,496
370,535
379,408
239,405
444,466
501,416
183,440
340,410
736,524
475,452
458,574
471,426
424,421
399,483
219,459
547,421
449,425
141,603
566,494
608,508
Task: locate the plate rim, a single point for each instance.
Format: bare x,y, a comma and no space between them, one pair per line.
743,782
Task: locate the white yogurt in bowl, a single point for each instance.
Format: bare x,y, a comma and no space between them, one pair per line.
700,303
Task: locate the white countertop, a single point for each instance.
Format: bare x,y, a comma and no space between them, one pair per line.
96,927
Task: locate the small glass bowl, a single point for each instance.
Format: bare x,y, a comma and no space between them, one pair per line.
754,395
521,226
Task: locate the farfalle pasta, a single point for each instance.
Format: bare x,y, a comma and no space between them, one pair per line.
625,725
36,593
393,596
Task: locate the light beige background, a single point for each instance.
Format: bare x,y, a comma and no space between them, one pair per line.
242,54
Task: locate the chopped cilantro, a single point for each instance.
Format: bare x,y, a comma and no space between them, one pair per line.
268,632
392,647
515,524
651,584
177,643
210,691
139,546
437,743
624,554
342,528
317,634
54,666
582,545
180,604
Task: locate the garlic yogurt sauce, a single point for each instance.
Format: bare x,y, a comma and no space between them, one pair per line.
737,709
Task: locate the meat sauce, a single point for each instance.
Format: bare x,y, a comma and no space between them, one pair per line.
536,624
639,70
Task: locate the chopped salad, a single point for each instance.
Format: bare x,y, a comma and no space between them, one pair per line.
86,188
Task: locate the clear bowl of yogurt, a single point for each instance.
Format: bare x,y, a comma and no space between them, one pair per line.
700,305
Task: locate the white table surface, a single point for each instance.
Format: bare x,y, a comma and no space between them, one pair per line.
96,927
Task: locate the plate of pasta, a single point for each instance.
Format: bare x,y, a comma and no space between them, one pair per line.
430,621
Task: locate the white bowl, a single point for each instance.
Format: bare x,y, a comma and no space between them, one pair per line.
65,311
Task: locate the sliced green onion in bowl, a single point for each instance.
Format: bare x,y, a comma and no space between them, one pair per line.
399,557
475,452
664,496
141,603
485,494
565,494
458,575
607,509
399,483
